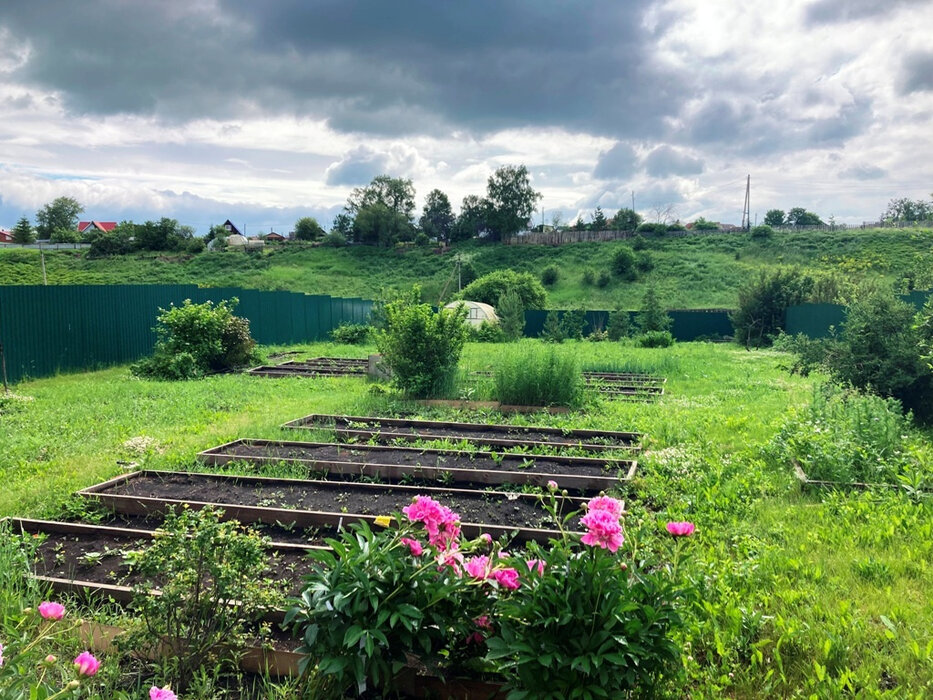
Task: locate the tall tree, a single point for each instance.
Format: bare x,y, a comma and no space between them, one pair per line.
625,220
600,222
908,210
774,217
511,200
22,232
798,216
377,224
394,193
472,220
308,229
437,217
60,214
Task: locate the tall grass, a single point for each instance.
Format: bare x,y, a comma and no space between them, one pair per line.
538,376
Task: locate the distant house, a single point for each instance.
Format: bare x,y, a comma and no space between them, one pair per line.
6,236
102,226
273,236
232,229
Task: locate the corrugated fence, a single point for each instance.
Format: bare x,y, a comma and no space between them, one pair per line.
688,324
45,330
820,320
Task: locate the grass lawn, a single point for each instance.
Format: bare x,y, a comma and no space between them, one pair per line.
799,595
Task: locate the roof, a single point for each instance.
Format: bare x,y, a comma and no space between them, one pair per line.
275,236
5,236
231,227
105,226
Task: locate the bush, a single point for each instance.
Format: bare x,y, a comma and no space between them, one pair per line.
421,346
655,339
538,376
194,339
334,239
489,288
194,246
652,228
573,323
486,332
763,305
603,279
549,275
643,261
422,239
350,333
762,231
553,330
623,262
676,226
589,276
652,316
848,437
107,244
211,575
619,324
511,315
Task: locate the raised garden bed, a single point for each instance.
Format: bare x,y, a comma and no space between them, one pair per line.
586,474
90,559
280,371
489,435
327,504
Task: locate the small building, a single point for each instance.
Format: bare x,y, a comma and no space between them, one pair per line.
6,236
101,226
237,240
231,228
477,312
276,237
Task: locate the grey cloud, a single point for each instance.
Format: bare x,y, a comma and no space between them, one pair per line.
616,163
358,167
367,66
863,172
917,73
836,11
664,161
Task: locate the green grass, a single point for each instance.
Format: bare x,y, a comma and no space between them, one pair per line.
689,272
799,594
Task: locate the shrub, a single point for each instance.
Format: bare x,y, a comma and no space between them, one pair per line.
619,324
350,333
762,231
334,239
652,316
107,244
676,226
603,279
643,261
489,288
655,339
486,332
553,330
422,239
549,275
639,242
879,350
847,436
538,377
421,346
194,339
763,304
623,262
511,315
211,575
650,228
572,324
589,276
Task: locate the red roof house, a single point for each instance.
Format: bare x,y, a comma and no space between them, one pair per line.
6,236
102,226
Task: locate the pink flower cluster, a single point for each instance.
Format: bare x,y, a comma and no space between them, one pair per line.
681,529
161,694
603,523
86,663
442,524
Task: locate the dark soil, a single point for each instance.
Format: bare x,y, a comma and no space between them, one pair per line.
99,558
443,459
488,508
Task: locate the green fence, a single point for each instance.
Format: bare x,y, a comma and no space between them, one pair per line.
45,330
820,320
688,324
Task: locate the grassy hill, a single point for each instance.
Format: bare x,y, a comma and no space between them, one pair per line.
703,271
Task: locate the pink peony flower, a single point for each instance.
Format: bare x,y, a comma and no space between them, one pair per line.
611,505
681,529
603,530
486,537
52,611
507,578
413,545
51,659
536,564
86,663
442,524
475,638
483,622
161,694
452,558
552,485
477,567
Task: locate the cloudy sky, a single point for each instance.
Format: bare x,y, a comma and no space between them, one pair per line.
261,112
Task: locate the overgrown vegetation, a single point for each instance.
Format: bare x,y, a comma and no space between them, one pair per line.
350,333
198,339
535,376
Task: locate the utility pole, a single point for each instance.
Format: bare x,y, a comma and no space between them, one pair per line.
746,209
633,200
42,257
